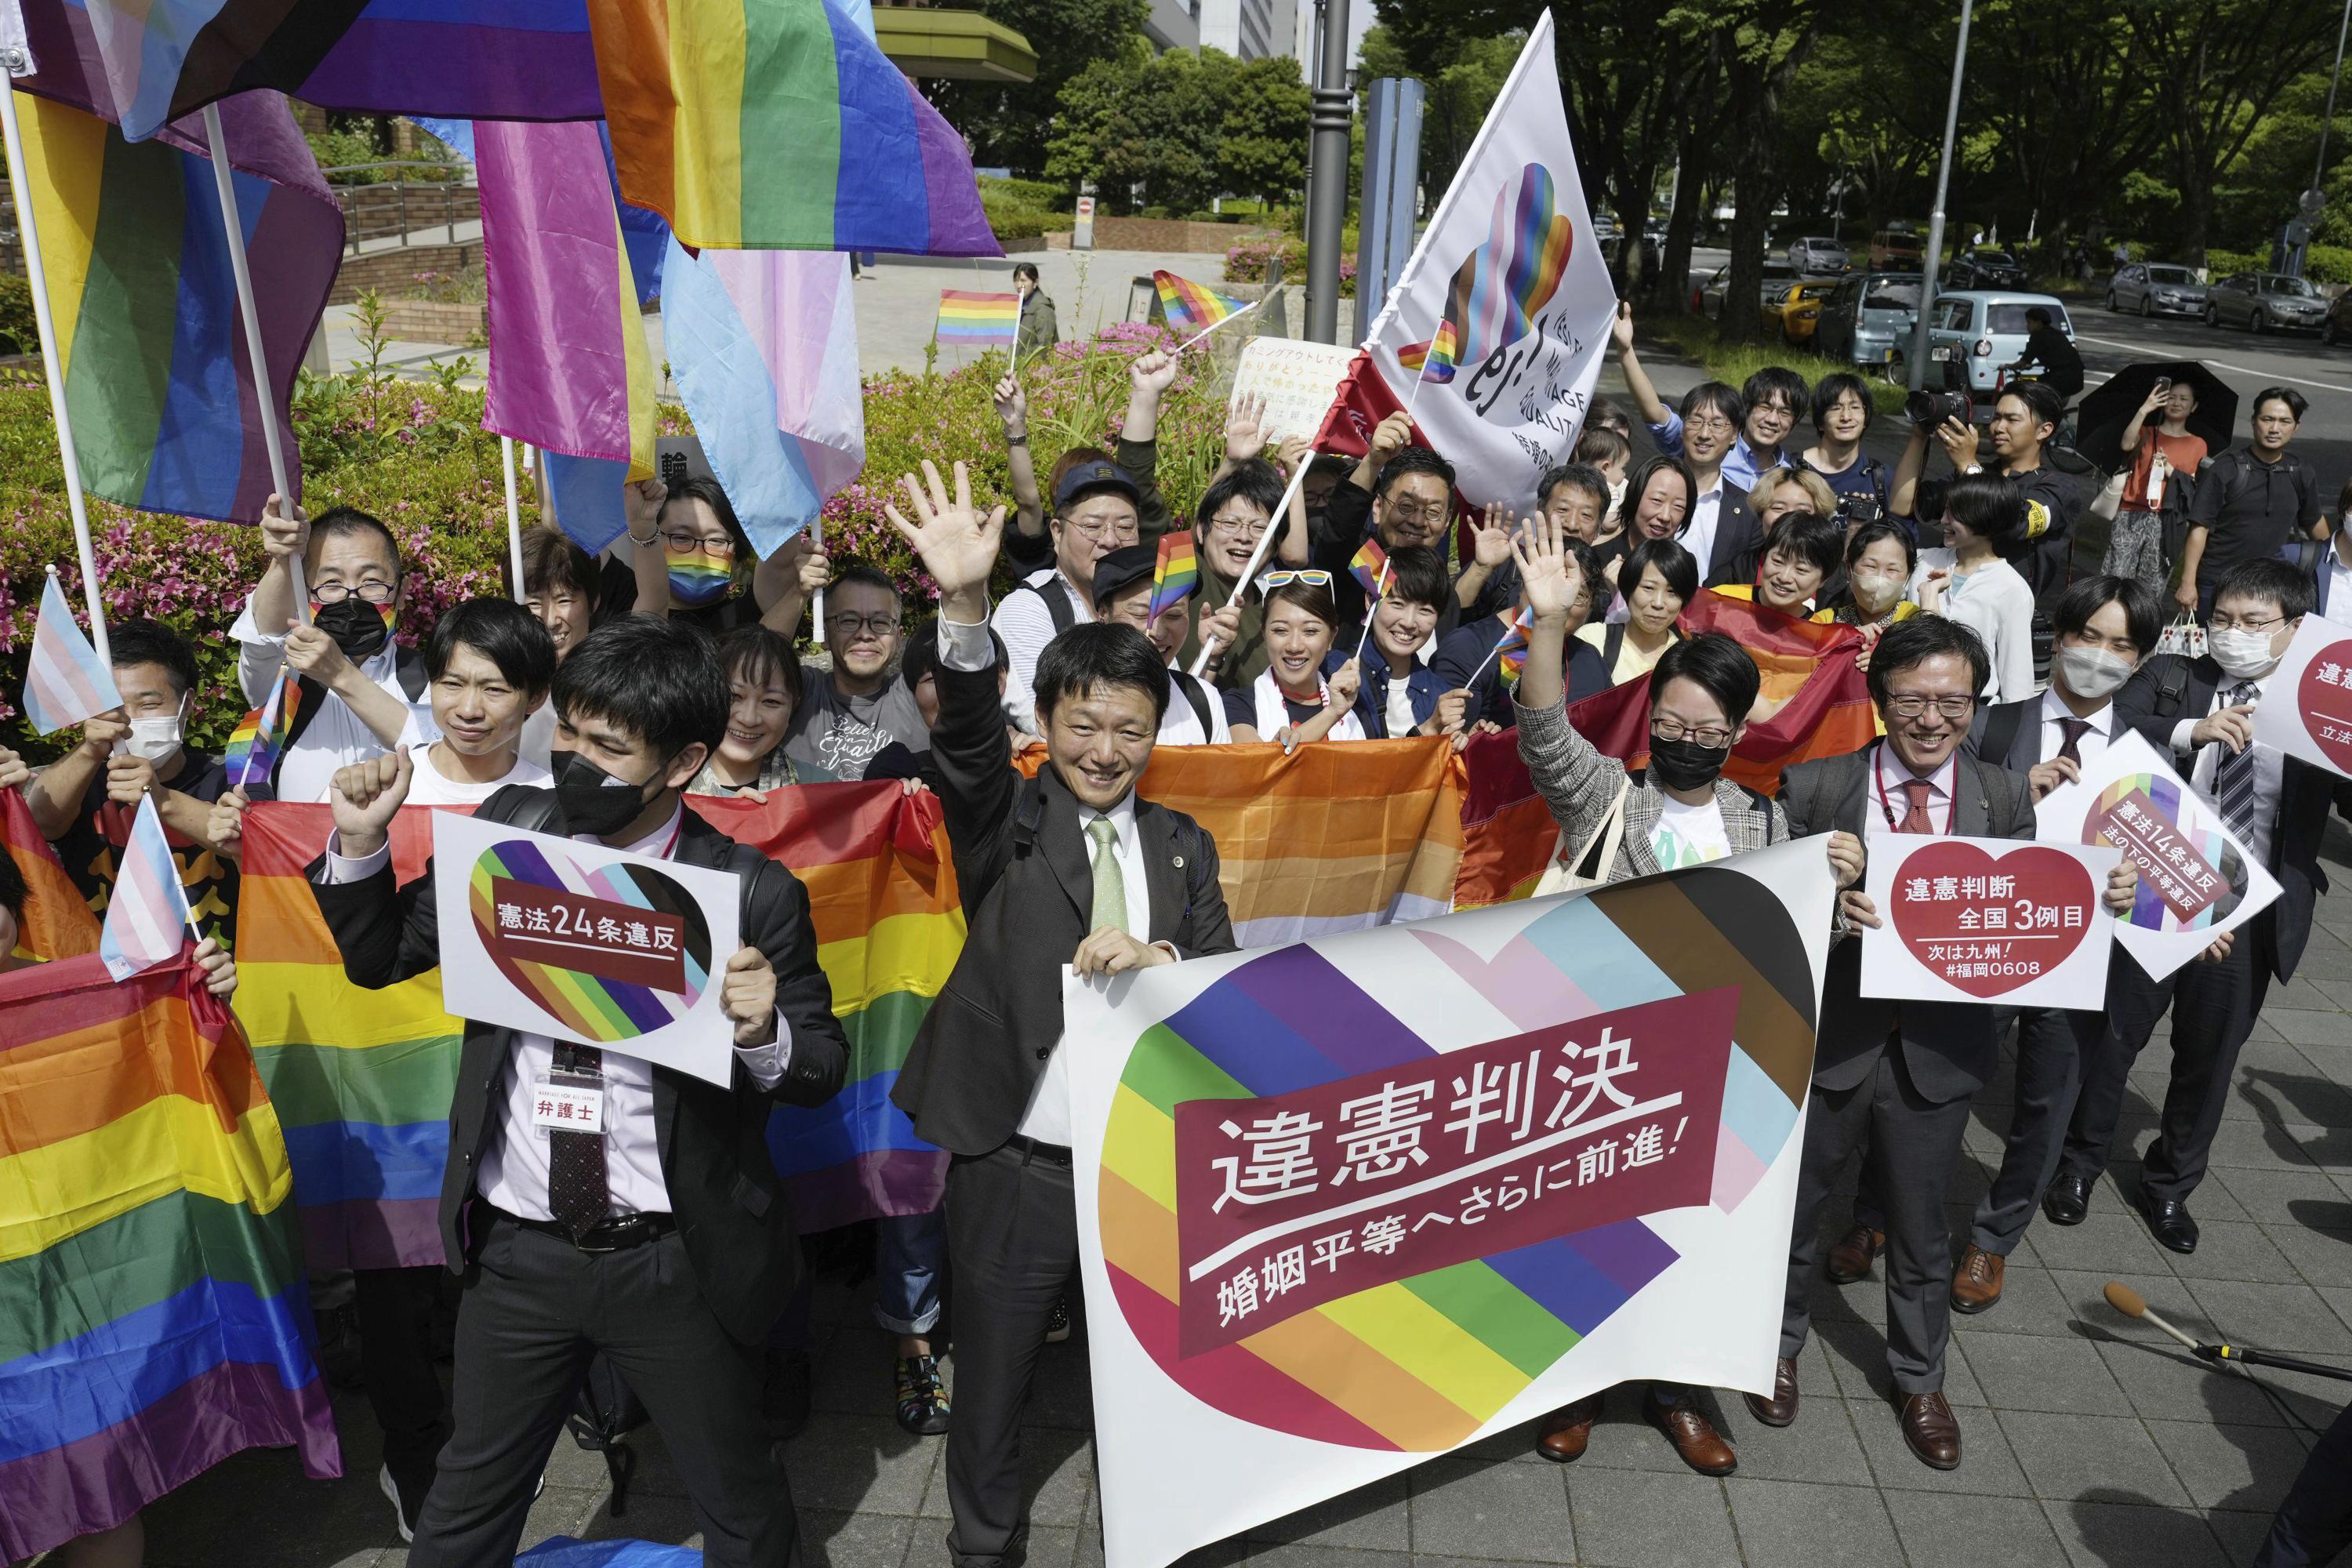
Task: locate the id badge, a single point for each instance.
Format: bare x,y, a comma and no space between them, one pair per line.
567,1102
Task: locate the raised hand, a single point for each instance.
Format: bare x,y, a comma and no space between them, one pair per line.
101,731
1490,537
1961,441
1012,404
1620,329
1453,707
284,530
364,797
1220,628
1151,373
1548,575
815,574
957,544
1391,435
1293,451
314,653
1245,427
225,828
1345,683
2123,888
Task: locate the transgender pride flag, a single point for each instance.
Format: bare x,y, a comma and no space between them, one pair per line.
147,912
64,681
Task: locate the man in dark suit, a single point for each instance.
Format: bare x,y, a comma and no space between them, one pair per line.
1898,1073
662,1240
1068,872
2105,628
2201,714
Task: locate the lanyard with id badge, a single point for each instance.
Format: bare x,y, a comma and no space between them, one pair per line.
570,1096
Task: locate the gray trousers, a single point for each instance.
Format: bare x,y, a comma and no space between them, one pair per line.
535,1309
1012,1244
2049,1075
1913,1144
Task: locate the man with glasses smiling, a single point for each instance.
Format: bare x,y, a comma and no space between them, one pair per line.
359,688
852,710
1094,513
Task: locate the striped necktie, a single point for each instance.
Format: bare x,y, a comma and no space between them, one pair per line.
2233,772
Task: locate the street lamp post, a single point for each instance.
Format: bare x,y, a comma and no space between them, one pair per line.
1935,253
1327,207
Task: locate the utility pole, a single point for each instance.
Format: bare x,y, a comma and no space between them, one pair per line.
1934,255
1327,209
2315,200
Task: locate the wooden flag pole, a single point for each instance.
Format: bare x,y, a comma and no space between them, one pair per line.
52,363
514,514
224,183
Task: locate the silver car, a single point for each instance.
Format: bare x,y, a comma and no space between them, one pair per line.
2156,289
1867,318
1975,333
1816,256
2265,302
1708,297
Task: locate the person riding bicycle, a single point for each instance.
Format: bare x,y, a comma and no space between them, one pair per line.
2051,353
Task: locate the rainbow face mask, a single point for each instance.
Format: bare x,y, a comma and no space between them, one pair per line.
697,579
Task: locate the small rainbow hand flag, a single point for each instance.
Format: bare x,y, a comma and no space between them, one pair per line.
65,682
1511,653
979,321
1176,573
1190,307
1371,566
255,745
1436,359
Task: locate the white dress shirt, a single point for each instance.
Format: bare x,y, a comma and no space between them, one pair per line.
1895,802
2269,765
514,1166
333,738
1698,533
1047,1119
1025,622
2095,740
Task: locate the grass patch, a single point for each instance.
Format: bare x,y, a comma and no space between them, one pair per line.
1694,338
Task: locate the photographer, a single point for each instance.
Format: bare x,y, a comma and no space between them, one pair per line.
2024,420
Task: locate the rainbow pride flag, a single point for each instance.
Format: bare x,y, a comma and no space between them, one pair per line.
57,922
758,125
154,1315
1511,653
1189,306
166,409
979,321
569,371
144,62
1176,574
1370,566
1445,353
260,738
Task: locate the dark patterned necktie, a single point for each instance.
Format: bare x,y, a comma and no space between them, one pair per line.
2234,774
577,1193
1916,819
2072,732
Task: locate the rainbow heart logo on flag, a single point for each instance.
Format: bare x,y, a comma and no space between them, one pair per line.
614,953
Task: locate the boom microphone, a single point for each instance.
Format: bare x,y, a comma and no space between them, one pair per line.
2127,1302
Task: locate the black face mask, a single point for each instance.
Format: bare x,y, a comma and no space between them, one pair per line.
594,801
1685,765
357,627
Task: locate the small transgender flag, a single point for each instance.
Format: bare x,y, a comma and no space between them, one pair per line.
147,914
64,681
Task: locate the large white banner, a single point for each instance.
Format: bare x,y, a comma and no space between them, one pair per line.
1509,272
1349,1203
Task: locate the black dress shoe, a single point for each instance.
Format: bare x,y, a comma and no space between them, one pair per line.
2167,1221
2068,1199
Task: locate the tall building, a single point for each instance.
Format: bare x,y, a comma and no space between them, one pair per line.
1173,24
1247,29
1304,40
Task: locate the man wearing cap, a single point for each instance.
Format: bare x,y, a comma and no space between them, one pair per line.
1094,513
1123,583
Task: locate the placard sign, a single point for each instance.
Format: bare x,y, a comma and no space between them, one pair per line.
2307,707
1987,920
2196,879
1298,380
583,942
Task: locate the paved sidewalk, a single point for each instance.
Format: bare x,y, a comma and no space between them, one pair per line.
2089,1438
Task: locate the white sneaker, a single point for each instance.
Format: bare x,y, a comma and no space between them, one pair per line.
399,1515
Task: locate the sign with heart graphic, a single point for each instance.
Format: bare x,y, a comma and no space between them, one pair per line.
583,943
1987,920
2307,708
1349,1203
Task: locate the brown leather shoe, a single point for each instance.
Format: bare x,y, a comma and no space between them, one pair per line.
1931,1428
1693,1435
1849,1257
1781,1408
1977,1284
1567,1430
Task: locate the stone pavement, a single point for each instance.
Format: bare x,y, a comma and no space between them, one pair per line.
2089,1438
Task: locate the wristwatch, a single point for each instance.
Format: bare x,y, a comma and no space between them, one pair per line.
1020,440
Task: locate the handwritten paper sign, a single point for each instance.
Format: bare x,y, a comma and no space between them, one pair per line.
2196,879
579,941
2307,707
1987,920
1297,378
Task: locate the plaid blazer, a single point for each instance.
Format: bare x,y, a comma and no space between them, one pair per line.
1580,785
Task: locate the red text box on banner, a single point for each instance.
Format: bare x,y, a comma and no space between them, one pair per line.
1289,1201
609,940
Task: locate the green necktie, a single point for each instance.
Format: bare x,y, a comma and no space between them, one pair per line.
1110,883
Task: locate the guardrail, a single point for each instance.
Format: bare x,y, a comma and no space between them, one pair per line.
382,209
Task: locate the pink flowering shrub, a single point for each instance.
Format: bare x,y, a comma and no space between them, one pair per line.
1246,262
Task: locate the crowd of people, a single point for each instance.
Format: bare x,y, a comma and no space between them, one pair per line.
605,695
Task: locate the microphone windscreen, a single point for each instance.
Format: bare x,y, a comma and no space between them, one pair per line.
2124,1299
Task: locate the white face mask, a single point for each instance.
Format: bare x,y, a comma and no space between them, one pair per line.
153,739
2244,655
2091,673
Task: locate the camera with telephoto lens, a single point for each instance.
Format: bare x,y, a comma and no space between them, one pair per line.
1856,510
1927,410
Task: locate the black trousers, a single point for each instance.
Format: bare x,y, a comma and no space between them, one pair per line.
395,1313
535,1309
1013,1242
2213,1008
1912,1143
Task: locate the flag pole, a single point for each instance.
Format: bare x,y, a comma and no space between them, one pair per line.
1379,589
224,183
52,363
514,514
1212,326
1276,524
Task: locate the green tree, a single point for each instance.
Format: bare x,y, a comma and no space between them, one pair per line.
1144,129
1010,124
1262,138
1458,90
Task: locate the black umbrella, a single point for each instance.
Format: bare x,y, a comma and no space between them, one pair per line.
2108,407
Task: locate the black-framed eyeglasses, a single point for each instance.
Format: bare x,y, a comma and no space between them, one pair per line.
849,626
1708,735
371,592
2239,624
687,543
1911,706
